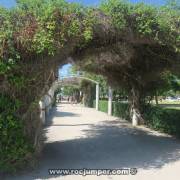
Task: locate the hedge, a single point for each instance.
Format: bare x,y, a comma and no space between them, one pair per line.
164,120
103,105
121,110
156,117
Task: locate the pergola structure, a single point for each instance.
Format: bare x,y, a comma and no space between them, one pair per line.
76,79
47,101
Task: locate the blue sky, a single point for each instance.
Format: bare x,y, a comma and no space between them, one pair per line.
65,69
11,3
95,2
7,3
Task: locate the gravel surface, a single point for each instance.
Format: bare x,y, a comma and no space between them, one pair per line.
78,138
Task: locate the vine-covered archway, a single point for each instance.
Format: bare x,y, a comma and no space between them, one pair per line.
132,45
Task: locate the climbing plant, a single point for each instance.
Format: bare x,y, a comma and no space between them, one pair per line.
130,44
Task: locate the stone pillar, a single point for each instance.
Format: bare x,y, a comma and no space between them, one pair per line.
110,98
42,111
135,120
97,96
50,96
47,103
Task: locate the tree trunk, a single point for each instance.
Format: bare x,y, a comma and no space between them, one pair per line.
156,99
135,112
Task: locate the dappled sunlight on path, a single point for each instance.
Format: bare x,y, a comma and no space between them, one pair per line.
78,137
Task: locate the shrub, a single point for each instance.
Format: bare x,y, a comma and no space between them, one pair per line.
103,105
164,120
158,118
121,110
15,150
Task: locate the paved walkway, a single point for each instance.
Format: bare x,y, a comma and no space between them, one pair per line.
79,137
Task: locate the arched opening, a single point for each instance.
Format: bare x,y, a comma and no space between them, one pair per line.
49,98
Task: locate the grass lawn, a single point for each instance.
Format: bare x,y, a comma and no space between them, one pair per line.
169,104
171,107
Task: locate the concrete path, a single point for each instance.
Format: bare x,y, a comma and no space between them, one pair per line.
79,137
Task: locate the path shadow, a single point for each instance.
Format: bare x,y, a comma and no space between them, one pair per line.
56,113
65,114
67,125
109,145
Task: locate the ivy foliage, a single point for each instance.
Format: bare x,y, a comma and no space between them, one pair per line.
15,149
45,26
159,23
41,28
